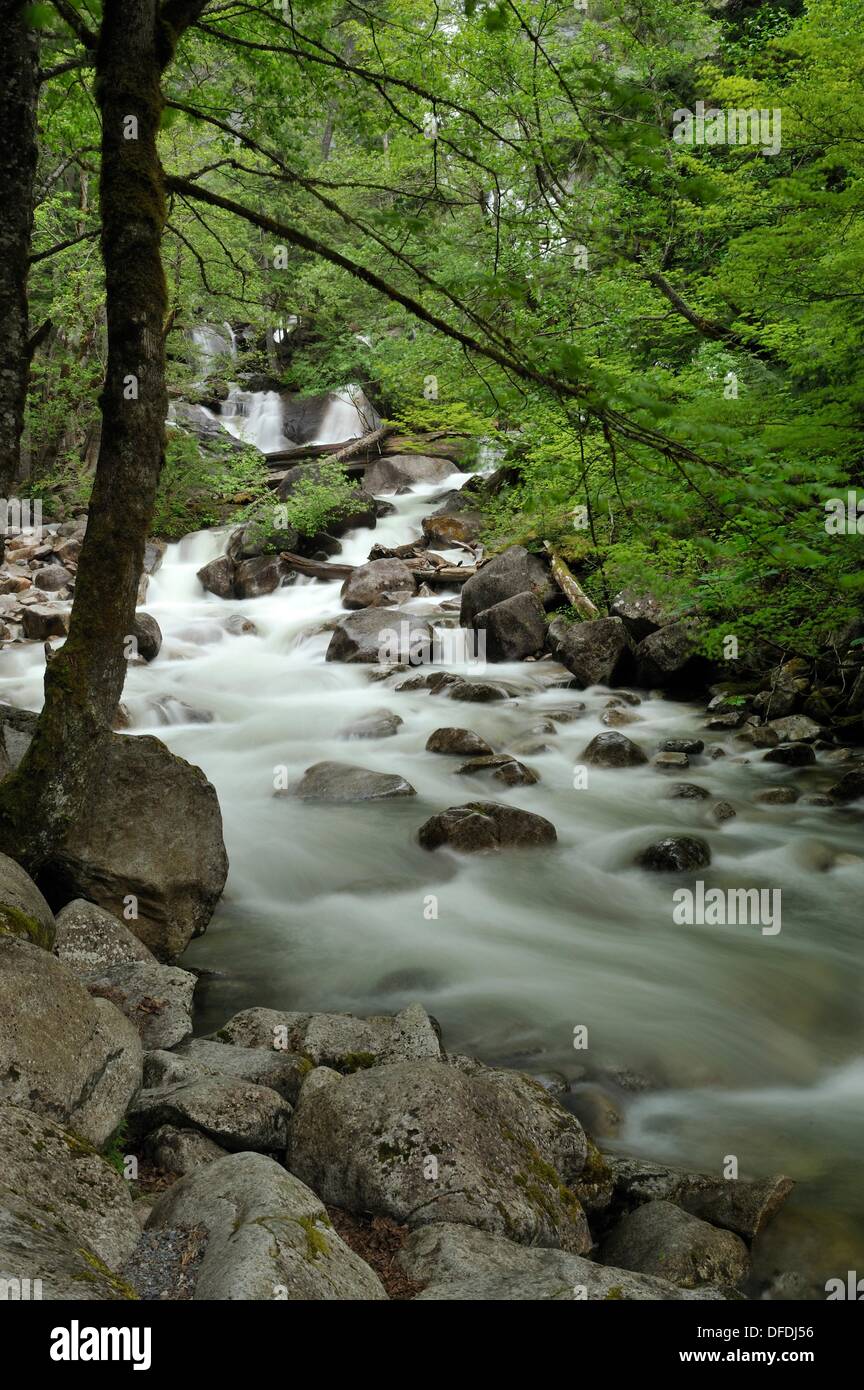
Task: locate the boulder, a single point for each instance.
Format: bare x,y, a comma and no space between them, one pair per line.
613,750
282,1071
691,746
381,635
64,1055
268,1236
791,754
687,791
461,1262
148,636
777,796
597,653
330,781
796,728
744,1206
661,1239
481,826
849,788
262,574
676,854
90,939
44,620
513,572
378,584
65,1267
24,912
640,612
423,1142
236,1114
52,577
217,577
670,658
503,767
152,831
512,629
617,718
389,474
66,1184
462,743
261,539
179,1151
156,998
458,521
671,762
378,723
339,1041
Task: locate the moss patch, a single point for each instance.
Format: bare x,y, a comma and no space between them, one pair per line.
15,922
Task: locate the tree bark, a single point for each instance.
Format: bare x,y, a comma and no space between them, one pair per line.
84,681
19,88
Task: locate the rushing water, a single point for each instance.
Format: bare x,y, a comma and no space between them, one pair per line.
752,1043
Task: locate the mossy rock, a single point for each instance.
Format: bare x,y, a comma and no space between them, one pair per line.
15,922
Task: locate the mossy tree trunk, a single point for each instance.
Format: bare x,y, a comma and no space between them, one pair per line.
19,89
84,680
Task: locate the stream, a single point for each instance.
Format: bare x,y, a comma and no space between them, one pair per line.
752,1043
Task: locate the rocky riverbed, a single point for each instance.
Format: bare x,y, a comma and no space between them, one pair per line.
411,828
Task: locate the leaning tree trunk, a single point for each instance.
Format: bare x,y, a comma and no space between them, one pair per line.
84,680
19,89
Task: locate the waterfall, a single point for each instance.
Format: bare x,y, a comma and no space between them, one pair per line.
349,415
255,417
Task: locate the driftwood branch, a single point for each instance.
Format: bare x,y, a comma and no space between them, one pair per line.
570,586
359,446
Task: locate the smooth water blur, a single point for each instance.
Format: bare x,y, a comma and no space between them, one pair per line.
753,1043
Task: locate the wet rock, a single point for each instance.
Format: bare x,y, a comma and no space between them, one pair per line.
817,799
378,723
597,653
423,1142
512,629
613,750
268,1236
24,913
616,717
460,742
513,572
503,768
262,574
670,657
691,746
640,612
66,1184
758,736
675,854
217,577
457,1262
378,584
569,715
148,636
744,1206
64,1055
474,692
457,521
481,826
777,796
671,762
687,791
389,474
796,728
340,782
151,830
180,1151
791,754
380,635
661,1239
236,1114
43,620
722,811
721,723
849,788
156,998
338,1041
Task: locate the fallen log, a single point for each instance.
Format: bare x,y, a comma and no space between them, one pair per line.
328,571
365,444
570,586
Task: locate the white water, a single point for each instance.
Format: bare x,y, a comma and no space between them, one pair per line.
753,1042
348,416
255,417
